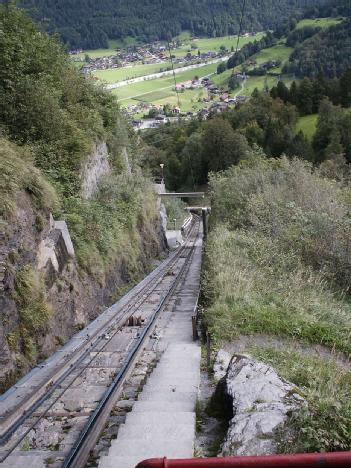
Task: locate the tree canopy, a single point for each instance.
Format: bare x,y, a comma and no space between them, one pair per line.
89,24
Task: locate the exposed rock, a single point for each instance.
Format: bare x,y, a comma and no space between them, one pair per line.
94,168
221,364
261,402
73,296
125,404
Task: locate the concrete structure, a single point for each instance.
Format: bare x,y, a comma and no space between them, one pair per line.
183,194
162,421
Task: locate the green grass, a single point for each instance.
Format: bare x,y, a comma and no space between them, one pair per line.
307,125
321,22
277,52
113,45
140,90
214,44
271,273
126,73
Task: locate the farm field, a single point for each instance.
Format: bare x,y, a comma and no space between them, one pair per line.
278,52
161,87
125,73
307,125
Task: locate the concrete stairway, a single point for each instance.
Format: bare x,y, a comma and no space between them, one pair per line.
162,421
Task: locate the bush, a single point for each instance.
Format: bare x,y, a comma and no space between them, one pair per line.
17,173
290,203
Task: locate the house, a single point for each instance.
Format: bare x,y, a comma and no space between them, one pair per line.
224,97
176,110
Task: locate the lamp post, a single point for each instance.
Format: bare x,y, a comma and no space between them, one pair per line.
162,166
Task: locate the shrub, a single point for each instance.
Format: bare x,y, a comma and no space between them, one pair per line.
17,173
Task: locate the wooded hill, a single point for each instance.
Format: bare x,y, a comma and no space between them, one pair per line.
89,24
326,52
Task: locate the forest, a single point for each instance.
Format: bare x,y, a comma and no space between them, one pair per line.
87,24
325,52
269,121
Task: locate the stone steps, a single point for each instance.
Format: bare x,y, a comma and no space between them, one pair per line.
162,421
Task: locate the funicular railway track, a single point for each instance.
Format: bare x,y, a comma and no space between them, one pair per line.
43,408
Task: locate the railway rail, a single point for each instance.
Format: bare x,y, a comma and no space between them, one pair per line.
56,413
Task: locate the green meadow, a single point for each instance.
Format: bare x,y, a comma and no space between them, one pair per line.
213,44
322,22
307,125
139,91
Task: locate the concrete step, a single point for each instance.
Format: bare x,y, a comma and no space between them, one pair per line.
171,387
165,396
169,374
162,431
158,417
173,377
162,406
120,462
157,449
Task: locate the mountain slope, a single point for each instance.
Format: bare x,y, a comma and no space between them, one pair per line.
326,53
89,24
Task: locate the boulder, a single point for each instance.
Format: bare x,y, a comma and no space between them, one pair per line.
261,402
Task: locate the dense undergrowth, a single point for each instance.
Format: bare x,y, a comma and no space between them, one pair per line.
278,264
55,116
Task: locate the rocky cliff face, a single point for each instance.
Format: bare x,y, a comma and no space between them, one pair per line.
95,167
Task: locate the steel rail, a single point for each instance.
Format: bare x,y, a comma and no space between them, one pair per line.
78,455
135,303
85,349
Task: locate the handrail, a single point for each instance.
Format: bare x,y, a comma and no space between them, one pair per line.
300,460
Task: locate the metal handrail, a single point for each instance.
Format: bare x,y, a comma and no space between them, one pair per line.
300,460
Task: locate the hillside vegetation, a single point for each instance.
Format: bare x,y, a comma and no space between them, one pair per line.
91,24
278,268
268,120
325,53
52,122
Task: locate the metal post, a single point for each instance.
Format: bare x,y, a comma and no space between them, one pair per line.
194,322
204,222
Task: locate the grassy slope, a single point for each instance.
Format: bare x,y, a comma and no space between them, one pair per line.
321,22
307,125
275,280
213,44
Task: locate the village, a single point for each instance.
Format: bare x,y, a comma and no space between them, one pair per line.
150,54
218,100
